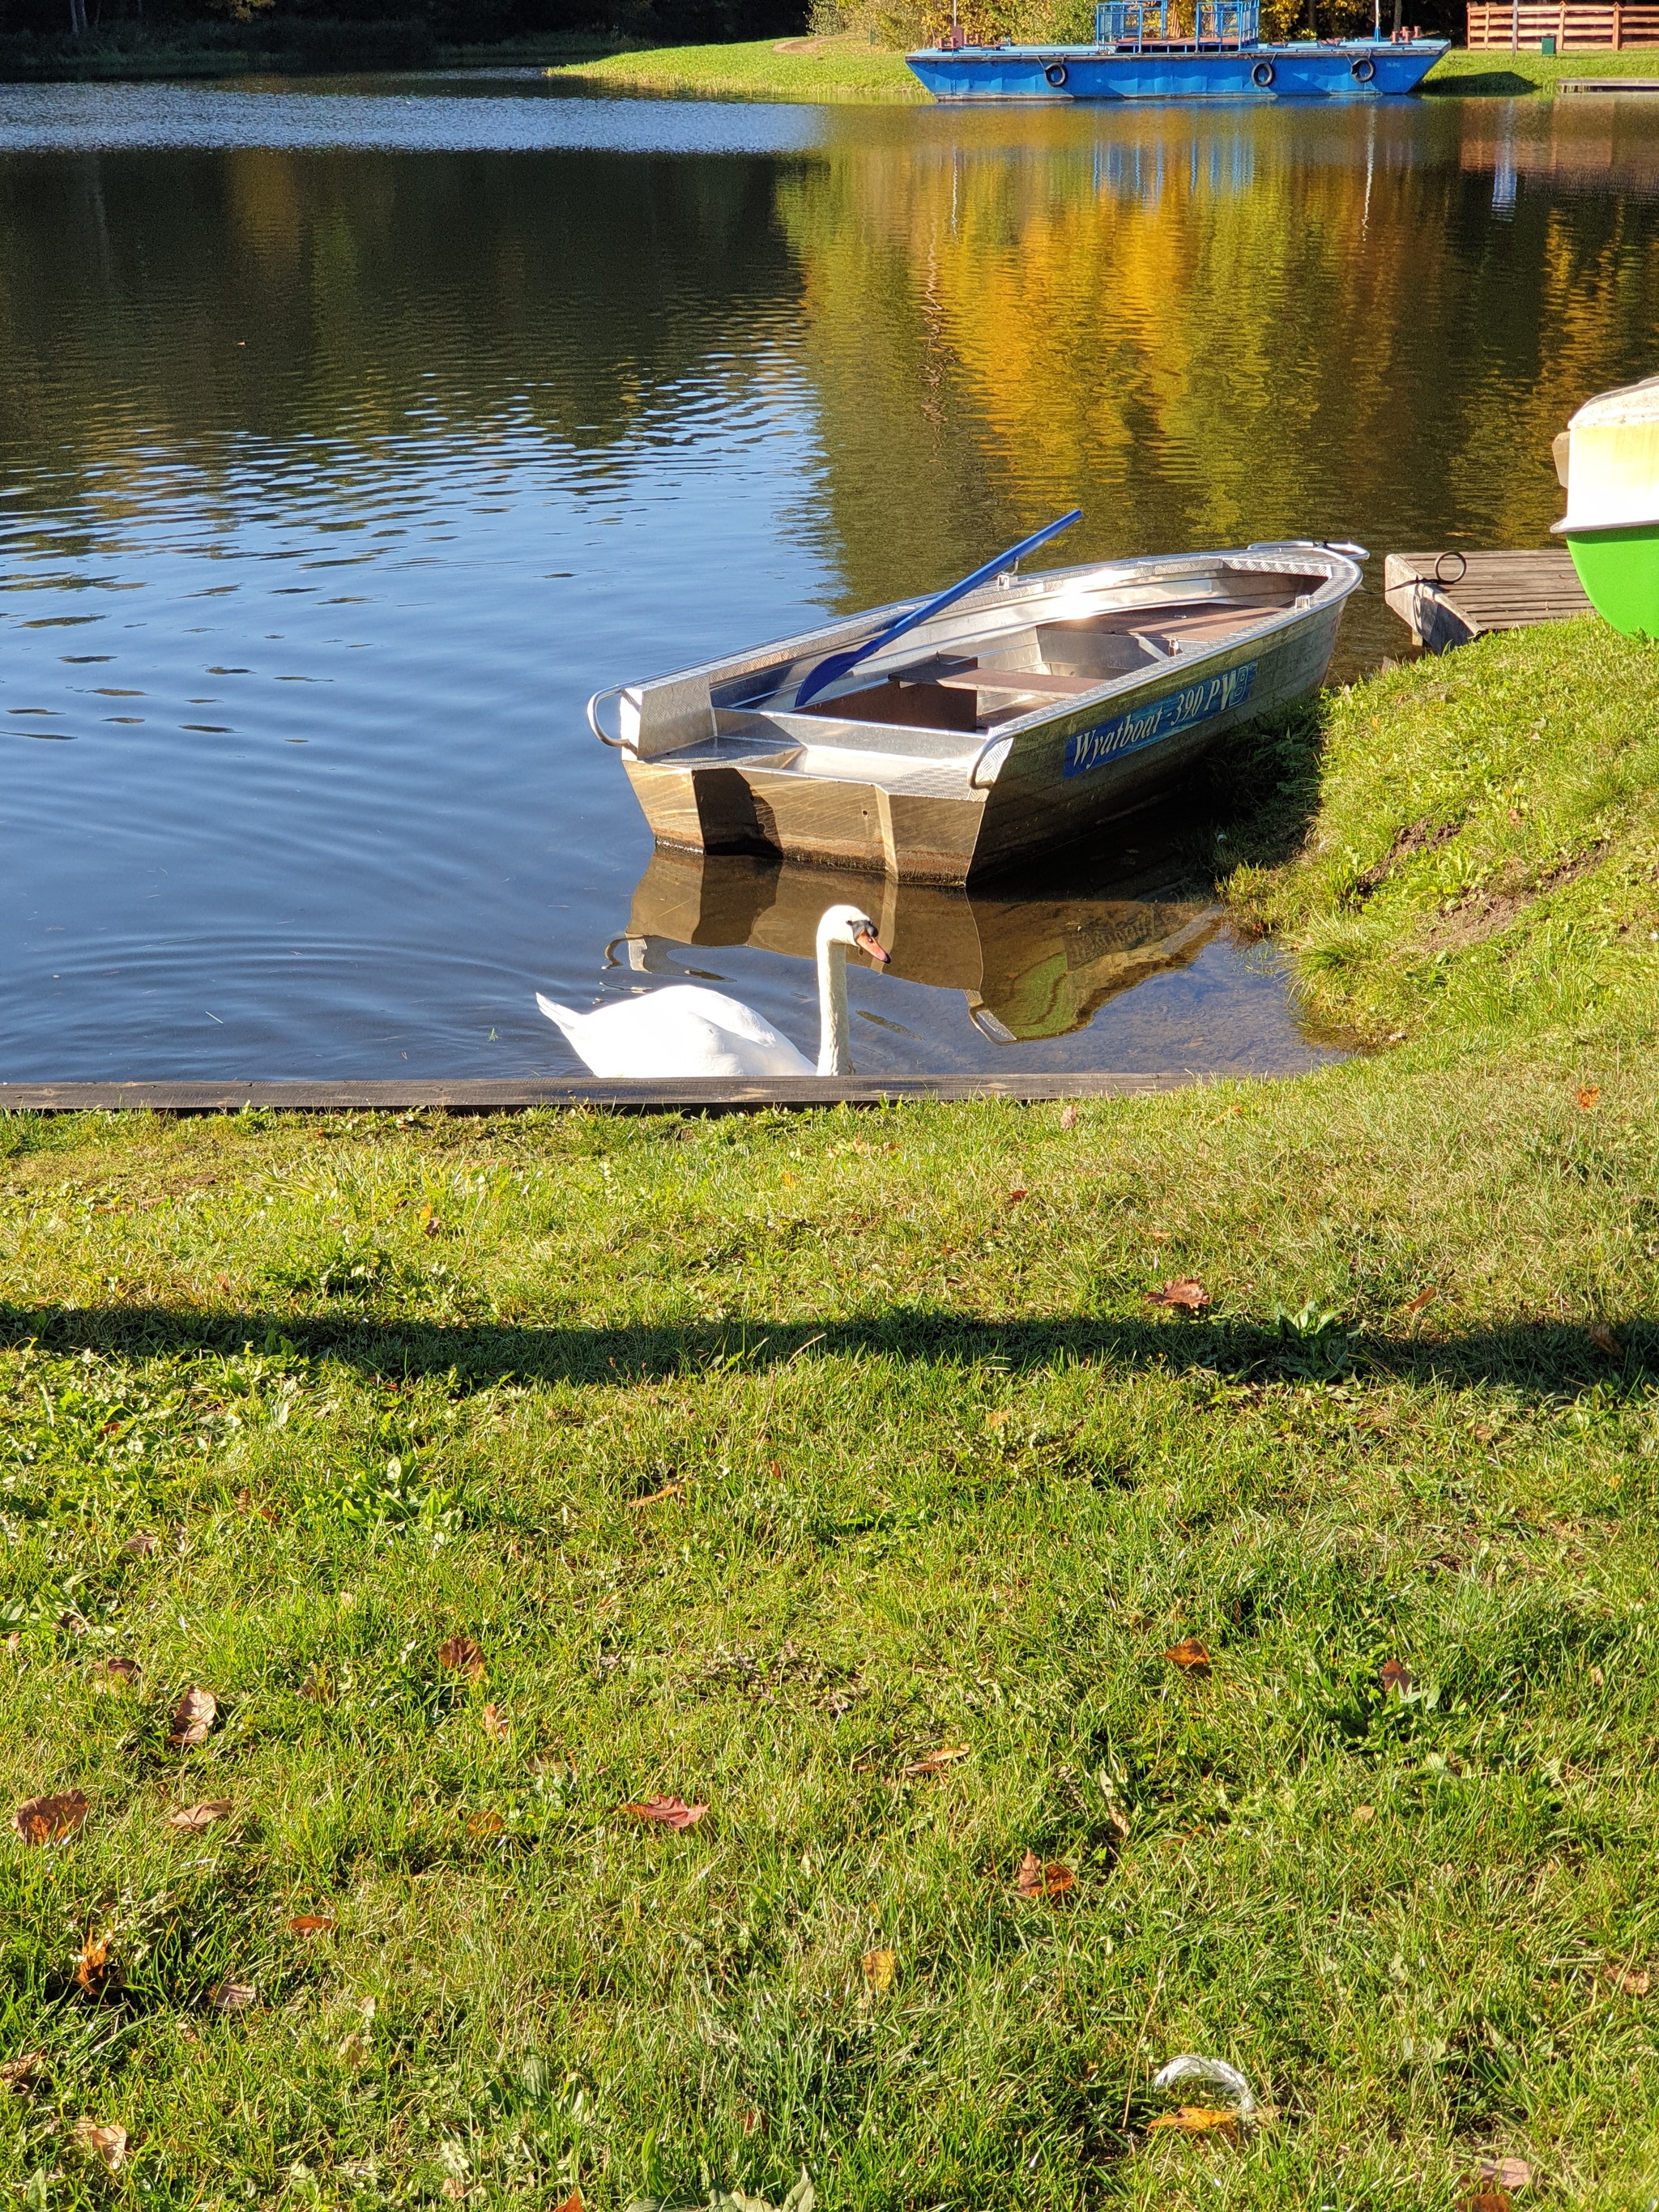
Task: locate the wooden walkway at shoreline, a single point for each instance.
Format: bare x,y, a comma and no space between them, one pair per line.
1447,599
689,1095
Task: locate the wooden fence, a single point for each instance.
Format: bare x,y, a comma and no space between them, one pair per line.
1578,27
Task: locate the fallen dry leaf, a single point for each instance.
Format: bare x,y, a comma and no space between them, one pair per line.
461,1655
753,2118
1505,2173
1423,1298
1015,1196
1197,2120
17,2073
1364,1814
1396,1678
453,2188
494,1724
484,1824
1629,1981
1486,2200
1184,1292
233,1996
140,1545
934,1762
191,1819
14,1641
673,1812
352,2050
574,2202
113,1673
92,1969
43,1820
656,1497
1604,1340
1068,1116
192,1716
1190,1655
107,2141
1587,1095
315,1686
313,1923
1036,1879
879,1968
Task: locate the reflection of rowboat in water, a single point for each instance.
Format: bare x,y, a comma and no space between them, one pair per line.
937,740
1030,965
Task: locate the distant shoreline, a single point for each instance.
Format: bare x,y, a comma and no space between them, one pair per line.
838,71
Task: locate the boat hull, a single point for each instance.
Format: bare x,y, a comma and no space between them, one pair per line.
1079,694
1353,69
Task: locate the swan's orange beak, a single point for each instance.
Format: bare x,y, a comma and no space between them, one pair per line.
865,942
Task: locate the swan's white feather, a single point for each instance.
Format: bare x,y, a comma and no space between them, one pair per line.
680,1030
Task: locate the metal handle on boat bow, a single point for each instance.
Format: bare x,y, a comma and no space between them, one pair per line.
611,691
997,737
840,663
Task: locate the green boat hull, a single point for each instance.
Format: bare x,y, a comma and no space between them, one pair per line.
1619,569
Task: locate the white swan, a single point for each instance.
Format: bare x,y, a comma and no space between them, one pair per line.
686,1030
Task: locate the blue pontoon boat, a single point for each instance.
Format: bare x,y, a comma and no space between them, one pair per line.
1139,53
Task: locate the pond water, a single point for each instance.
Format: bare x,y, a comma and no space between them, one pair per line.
351,433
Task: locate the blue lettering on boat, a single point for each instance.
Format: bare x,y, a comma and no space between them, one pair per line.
1159,718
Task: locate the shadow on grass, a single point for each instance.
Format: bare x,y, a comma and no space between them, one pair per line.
1539,1359
1484,84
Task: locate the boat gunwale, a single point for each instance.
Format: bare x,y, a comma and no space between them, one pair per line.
1257,558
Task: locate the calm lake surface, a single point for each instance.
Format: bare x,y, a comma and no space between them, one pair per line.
350,434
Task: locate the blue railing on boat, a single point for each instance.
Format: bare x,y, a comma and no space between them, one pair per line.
1135,23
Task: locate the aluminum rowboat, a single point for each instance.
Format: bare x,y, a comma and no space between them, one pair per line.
1021,719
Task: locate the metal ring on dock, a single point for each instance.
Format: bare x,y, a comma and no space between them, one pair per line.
1440,560
1055,74
1362,68
612,691
1262,73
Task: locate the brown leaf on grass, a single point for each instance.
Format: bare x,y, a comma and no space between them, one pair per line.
92,1969
1423,1298
1486,2200
1396,1678
494,1724
1068,1116
1184,1293
1015,1196
1629,1981
461,1655
484,1824
315,1686
1190,1655
657,1497
15,1642
140,1545
453,2188
18,2073
245,1504
191,1819
935,1762
1197,2120
753,2118
352,2049
1363,1816
106,2140
1505,2172
43,1820
1588,1095
192,1716
574,2202
673,1812
113,1674
1604,1340
1036,1879
233,1996
313,1923
879,1968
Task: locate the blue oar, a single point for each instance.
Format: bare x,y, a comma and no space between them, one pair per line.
828,672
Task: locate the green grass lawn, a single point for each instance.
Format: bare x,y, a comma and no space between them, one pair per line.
832,69
839,1473
1503,75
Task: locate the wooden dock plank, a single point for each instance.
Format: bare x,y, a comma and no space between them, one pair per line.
695,1095
1446,598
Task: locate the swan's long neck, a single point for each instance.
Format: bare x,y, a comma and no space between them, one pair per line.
835,1041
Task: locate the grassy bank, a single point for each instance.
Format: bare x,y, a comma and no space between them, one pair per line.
839,1473
831,70
1505,75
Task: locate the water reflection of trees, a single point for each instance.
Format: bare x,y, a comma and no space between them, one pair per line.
156,304
1202,326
